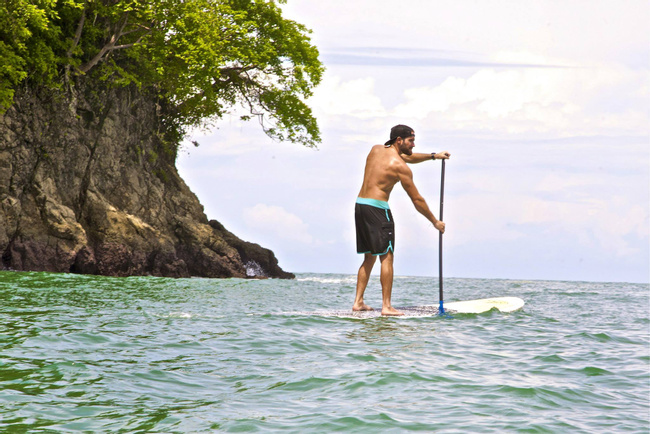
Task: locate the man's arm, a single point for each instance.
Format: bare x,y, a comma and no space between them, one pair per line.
419,157
406,179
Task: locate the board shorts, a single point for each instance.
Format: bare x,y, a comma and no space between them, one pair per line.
375,227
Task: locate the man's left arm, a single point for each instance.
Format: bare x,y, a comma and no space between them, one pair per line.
419,157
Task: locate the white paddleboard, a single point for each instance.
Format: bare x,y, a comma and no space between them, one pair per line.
503,304
409,312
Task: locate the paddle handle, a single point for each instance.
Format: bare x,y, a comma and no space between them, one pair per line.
442,203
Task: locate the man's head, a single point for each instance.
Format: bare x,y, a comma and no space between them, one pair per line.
404,137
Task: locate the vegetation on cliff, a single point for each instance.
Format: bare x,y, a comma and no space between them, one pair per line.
200,58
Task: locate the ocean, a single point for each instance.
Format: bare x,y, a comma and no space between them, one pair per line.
145,354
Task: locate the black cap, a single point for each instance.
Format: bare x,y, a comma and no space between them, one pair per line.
402,131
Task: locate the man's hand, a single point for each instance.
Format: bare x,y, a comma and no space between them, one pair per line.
440,226
444,155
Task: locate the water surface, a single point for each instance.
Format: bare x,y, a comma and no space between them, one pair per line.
100,354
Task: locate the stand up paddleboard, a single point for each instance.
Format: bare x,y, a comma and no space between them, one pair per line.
502,304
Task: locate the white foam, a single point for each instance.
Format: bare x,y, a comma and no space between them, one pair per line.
334,280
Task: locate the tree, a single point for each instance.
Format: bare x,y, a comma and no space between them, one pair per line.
201,58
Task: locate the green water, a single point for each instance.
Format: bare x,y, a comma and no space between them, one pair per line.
97,354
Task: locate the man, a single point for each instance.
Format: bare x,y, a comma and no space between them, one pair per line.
385,167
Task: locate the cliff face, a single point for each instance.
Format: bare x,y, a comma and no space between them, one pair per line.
89,185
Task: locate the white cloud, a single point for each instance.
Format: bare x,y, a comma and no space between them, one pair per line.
354,98
595,222
557,102
602,210
278,222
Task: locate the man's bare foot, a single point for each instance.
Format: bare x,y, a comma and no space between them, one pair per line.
391,311
362,307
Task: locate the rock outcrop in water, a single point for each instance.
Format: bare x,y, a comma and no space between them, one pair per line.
88,184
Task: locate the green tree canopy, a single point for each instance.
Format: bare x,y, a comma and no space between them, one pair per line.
201,57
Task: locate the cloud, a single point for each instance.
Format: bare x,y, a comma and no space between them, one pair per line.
493,219
278,222
354,98
556,102
408,57
594,223
569,201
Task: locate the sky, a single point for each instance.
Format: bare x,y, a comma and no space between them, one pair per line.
544,106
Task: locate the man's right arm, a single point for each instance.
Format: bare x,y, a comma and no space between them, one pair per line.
419,157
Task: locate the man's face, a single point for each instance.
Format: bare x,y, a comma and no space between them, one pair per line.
406,145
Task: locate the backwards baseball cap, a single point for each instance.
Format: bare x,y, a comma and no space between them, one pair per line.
402,131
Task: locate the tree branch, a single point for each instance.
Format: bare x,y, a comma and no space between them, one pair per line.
112,43
77,35
119,47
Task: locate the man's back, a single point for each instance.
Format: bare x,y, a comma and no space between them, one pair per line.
381,173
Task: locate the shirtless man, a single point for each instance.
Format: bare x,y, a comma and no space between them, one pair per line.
385,167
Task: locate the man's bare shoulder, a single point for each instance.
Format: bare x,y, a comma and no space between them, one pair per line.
374,152
399,166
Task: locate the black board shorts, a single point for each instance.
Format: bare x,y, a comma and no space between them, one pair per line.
375,227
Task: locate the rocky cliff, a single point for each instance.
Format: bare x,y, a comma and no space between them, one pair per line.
88,184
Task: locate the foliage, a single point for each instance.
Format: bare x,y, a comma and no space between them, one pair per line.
202,58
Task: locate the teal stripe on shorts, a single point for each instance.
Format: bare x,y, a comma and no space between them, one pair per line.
373,202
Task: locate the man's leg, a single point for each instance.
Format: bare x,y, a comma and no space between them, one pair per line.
362,281
387,285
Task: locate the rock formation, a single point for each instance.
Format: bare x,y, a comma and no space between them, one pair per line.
88,184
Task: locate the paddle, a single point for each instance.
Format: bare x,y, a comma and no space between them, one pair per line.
441,310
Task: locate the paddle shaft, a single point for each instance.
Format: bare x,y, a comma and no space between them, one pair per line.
442,202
